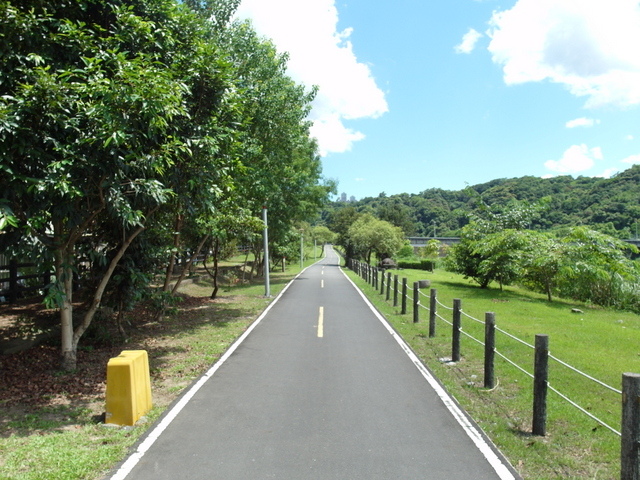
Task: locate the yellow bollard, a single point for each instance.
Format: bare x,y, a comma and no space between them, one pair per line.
128,387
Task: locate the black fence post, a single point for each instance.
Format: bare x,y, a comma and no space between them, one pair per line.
388,286
416,302
382,282
432,312
629,460
13,281
455,337
403,310
395,290
489,349
540,384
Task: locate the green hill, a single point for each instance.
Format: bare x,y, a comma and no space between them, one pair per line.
610,205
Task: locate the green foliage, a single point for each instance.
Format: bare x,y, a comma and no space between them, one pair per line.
406,251
584,264
417,264
150,115
432,249
606,205
595,268
370,235
501,255
323,235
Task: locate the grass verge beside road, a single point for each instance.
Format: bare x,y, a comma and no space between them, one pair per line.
602,343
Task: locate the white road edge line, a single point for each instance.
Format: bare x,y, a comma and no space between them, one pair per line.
126,468
476,437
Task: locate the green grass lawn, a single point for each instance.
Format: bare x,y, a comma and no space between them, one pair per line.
602,343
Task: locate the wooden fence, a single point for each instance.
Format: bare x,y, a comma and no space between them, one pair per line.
15,285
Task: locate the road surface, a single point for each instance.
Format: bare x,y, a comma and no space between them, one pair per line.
321,388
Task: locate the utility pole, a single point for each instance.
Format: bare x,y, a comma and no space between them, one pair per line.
267,286
301,249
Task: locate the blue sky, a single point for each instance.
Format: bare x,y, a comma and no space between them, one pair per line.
419,94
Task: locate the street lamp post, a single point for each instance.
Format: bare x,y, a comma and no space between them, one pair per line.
301,249
267,286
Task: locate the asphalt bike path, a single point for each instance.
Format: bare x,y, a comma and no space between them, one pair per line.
320,387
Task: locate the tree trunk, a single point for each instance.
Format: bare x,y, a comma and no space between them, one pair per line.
172,259
68,349
188,265
95,302
63,254
246,259
216,254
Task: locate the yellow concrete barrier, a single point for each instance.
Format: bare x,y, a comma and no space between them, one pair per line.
128,387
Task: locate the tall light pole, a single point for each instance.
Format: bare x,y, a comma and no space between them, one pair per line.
267,286
301,248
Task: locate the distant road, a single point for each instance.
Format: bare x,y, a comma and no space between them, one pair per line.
320,389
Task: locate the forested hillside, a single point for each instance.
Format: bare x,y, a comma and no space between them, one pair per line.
610,205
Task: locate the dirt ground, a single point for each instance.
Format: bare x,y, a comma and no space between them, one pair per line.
30,378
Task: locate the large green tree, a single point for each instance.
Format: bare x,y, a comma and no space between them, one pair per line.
89,127
280,166
370,235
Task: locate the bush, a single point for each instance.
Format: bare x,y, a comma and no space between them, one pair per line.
417,264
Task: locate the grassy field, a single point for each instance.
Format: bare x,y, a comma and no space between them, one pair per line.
599,342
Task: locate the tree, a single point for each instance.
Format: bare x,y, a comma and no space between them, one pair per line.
595,267
225,227
479,256
396,213
543,257
88,130
323,235
431,249
279,163
370,235
339,221
502,255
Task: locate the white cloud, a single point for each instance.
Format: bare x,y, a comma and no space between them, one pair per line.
576,158
334,135
321,55
608,173
590,46
469,41
632,160
582,122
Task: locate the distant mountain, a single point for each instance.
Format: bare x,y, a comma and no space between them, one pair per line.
611,205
